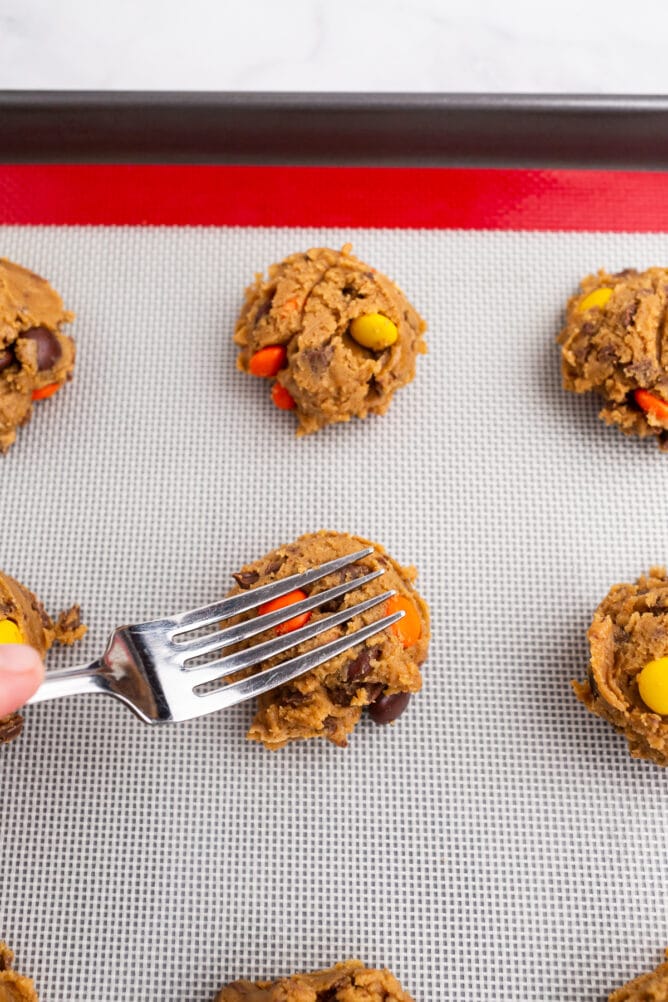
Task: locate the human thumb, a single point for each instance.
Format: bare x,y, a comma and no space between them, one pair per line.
21,672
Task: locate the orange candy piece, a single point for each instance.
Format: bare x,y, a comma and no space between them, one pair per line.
267,361
651,404
282,398
409,628
46,391
283,602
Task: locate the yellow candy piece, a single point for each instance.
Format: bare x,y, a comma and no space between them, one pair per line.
653,685
10,633
597,298
374,331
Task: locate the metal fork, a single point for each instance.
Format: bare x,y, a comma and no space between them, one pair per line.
148,667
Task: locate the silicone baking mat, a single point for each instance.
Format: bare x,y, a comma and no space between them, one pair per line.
498,843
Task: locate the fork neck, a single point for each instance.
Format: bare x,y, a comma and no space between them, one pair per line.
71,682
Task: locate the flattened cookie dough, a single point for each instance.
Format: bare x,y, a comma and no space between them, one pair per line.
379,675
23,620
650,987
614,344
36,357
338,337
349,981
14,987
627,678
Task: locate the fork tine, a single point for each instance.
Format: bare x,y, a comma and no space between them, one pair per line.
255,685
222,667
251,627
209,614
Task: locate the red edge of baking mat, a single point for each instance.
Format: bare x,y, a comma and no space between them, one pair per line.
433,198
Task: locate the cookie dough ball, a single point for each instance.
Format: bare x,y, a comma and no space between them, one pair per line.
627,679
23,620
36,358
14,987
613,343
349,981
378,675
338,337
650,987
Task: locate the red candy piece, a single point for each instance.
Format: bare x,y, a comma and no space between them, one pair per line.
267,361
282,398
46,391
651,404
281,603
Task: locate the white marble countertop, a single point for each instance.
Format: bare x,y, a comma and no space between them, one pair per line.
354,45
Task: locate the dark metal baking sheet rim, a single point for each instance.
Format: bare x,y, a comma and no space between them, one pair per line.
440,130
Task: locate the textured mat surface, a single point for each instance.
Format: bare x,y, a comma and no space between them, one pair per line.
496,844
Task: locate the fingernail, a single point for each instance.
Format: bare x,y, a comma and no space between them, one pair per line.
18,659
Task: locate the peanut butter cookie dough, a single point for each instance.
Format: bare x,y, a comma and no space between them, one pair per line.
613,343
650,987
36,358
337,337
379,675
349,981
627,679
14,987
23,620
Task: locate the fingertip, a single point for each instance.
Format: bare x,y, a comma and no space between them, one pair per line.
21,659
21,673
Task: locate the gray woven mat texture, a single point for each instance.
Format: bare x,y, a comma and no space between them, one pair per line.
498,843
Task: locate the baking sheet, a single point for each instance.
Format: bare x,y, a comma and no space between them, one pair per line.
498,843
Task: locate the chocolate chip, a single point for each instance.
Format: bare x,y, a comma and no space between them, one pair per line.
246,578
294,698
319,358
6,358
643,371
275,565
588,327
333,605
47,344
10,728
629,313
359,667
592,684
263,309
330,724
389,708
42,613
346,574
340,695
374,388
625,273
373,691
580,351
329,995
607,353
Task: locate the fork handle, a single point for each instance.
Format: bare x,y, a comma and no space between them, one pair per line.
70,682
